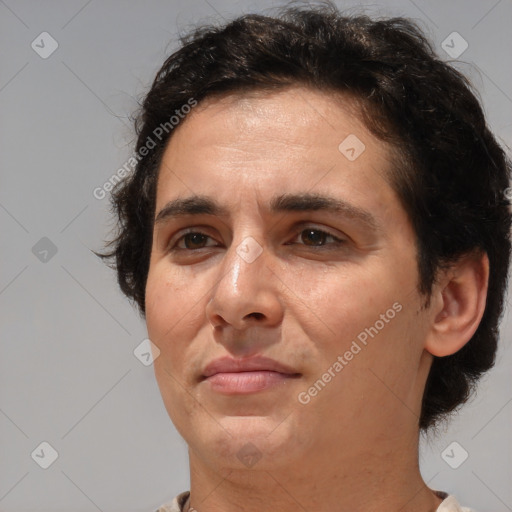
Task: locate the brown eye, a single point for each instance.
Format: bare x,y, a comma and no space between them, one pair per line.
313,237
191,241
194,240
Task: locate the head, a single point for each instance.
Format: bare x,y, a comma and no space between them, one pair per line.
229,246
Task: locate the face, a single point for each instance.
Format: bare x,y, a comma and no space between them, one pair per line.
278,236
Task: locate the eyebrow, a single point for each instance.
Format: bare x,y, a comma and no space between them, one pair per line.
204,205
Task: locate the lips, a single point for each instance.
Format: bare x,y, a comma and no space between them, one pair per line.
252,364
249,375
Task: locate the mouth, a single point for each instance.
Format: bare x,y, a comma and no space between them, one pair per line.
247,382
242,376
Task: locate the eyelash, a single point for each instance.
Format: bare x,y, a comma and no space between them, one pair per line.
338,241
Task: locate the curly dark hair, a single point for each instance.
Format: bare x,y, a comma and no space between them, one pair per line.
450,173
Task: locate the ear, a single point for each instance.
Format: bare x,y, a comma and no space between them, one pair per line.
458,304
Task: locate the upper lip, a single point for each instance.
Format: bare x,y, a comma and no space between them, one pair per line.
248,364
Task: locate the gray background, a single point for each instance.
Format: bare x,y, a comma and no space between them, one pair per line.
68,375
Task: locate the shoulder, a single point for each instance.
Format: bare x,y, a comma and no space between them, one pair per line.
450,504
176,505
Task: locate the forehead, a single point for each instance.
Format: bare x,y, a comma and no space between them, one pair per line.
260,143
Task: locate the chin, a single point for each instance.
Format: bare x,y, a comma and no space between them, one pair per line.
250,442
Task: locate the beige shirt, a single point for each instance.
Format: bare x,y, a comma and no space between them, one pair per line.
179,504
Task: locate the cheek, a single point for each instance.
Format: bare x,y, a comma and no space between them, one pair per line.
167,306
175,315
367,313
347,299
171,320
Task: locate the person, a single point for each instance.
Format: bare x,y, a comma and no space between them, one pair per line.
316,233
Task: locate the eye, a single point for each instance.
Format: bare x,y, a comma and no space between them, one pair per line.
314,237
192,240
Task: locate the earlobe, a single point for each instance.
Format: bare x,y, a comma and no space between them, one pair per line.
461,295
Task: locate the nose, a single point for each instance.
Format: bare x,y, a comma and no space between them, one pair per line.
246,293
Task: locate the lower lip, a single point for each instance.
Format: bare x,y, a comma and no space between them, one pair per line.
247,382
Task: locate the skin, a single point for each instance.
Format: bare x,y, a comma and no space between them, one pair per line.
354,446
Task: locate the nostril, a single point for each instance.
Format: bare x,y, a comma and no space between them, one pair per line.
258,316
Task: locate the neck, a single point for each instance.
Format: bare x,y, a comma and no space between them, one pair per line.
369,480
